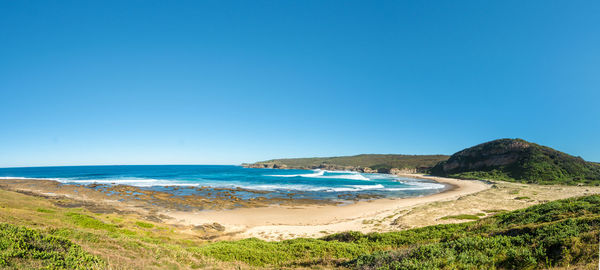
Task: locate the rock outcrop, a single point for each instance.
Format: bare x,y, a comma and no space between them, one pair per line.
265,166
397,171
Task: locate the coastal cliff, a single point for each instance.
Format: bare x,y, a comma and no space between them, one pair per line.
367,163
322,167
521,161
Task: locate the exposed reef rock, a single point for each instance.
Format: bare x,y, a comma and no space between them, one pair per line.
404,171
265,166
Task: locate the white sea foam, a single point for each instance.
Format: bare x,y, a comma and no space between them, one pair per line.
131,182
316,173
145,182
382,176
351,177
281,187
415,185
363,187
347,188
29,178
357,188
321,174
138,182
353,172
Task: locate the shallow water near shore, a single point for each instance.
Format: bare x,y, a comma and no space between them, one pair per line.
268,183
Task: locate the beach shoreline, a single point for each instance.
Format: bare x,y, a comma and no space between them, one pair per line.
258,218
297,218
276,222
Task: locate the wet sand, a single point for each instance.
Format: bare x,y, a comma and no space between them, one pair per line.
226,216
241,218
284,222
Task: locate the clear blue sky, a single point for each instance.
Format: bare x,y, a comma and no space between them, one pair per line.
221,82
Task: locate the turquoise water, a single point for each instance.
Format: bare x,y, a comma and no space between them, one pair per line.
313,184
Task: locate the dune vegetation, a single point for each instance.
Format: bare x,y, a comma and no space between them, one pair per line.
554,234
22,248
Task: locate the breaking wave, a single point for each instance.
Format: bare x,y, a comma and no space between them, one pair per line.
321,174
313,184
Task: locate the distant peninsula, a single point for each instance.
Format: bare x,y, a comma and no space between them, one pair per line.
368,163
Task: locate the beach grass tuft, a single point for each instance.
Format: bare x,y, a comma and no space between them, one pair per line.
47,211
462,216
144,224
86,221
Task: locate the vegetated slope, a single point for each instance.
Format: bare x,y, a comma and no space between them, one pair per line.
554,234
521,161
22,248
378,162
34,229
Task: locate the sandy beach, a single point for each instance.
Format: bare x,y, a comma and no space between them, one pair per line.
278,220
285,222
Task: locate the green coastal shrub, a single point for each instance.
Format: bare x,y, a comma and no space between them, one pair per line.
25,248
89,222
144,224
558,233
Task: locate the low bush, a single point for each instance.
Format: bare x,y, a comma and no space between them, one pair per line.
25,248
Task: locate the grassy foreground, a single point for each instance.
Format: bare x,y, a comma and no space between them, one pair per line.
102,240
35,233
25,248
556,234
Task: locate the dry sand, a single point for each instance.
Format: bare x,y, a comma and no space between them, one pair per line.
285,222
303,219
467,197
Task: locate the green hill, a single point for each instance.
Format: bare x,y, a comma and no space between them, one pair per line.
379,163
520,161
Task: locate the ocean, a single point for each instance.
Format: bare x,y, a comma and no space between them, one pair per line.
311,184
